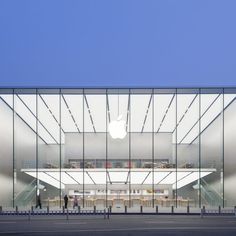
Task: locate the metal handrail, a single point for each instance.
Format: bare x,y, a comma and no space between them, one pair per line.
212,188
26,187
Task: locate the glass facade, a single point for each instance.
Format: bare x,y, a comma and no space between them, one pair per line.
118,147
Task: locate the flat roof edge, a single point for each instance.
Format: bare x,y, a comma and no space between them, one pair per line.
118,87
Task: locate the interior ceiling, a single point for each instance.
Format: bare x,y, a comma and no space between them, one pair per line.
142,112
176,178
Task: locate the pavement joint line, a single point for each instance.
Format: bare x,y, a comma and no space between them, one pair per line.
7,222
70,223
160,222
121,229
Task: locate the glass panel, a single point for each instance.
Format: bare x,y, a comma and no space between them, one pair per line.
72,147
6,148
48,149
164,147
229,147
118,152
95,149
141,148
211,138
187,151
25,151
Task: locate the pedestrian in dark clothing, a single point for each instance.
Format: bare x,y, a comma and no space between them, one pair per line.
38,202
66,201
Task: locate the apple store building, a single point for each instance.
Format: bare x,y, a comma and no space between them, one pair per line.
118,147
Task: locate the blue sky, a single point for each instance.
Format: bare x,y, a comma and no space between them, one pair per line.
118,43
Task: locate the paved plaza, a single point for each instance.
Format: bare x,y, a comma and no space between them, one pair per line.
118,225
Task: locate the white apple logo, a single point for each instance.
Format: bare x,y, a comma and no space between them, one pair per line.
117,128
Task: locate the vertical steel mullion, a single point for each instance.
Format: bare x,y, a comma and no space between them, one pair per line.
83,148
106,146
223,151
176,148
60,127
13,147
153,195
199,151
129,150
37,145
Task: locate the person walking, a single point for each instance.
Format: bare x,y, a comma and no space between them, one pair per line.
75,202
66,201
38,202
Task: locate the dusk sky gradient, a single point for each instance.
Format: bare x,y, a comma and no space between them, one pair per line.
115,43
